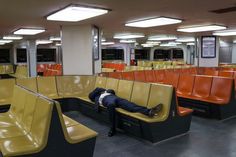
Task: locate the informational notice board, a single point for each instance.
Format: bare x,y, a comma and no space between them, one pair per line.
208,47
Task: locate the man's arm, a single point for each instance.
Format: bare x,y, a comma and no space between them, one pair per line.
95,93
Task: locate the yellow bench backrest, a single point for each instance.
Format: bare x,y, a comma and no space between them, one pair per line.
6,89
161,93
29,83
140,93
100,82
125,88
112,84
47,86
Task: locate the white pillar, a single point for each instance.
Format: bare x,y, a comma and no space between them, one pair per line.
207,62
77,50
32,58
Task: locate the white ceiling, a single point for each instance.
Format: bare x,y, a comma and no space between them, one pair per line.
31,13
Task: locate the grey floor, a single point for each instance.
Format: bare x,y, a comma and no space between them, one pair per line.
207,138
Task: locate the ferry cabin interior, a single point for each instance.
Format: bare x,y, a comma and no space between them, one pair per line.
181,54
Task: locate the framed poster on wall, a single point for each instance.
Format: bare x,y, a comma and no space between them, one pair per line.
208,47
95,43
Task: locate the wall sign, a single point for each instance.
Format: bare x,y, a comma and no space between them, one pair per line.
208,47
95,43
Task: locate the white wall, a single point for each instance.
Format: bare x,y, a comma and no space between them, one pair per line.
77,50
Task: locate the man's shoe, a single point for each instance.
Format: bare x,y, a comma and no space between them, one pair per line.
155,110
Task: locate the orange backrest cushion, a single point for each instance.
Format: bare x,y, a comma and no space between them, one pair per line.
171,78
185,85
226,73
128,76
139,76
116,75
202,86
160,75
150,76
221,88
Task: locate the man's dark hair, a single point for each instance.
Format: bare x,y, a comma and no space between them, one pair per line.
111,91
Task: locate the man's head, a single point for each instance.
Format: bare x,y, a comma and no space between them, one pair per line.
111,91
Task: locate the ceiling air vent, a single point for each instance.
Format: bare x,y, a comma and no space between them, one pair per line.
224,10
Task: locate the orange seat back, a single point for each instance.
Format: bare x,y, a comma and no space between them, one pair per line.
202,86
211,72
150,76
160,75
221,88
139,76
171,78
128,76
226,73
116,75
185,85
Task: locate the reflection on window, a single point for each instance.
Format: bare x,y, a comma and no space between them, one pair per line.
46,55
112,54
142,53
21,55
162,54
4,55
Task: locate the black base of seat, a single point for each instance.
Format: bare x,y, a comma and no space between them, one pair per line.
5,76
4,108
209,110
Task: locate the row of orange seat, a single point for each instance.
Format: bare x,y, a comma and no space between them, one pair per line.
196,88
116,66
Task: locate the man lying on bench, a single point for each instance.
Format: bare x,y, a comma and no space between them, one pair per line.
108,99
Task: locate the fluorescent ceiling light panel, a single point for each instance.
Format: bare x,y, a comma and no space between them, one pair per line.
160,21
103,39
5,41
128,36
225,33
185,39
76,13
12,37
58,44
108,43
162,38
128,41
26,31
2,43
55,39
190,44
153,42
147,45
201,28
40,42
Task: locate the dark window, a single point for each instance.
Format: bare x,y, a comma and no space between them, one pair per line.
178,54
46,55
112,54
4,55
142,53
21,55
162,54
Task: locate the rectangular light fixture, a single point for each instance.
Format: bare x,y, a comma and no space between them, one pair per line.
147,45
2,43
41,42
11,37
75,13
55,39
58,44
129,41
27,31
185,39
162,37
160,21
128,36
201,28
5,41
108,43
225,33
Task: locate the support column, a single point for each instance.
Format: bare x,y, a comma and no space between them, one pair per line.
32,58
207,62
78,50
